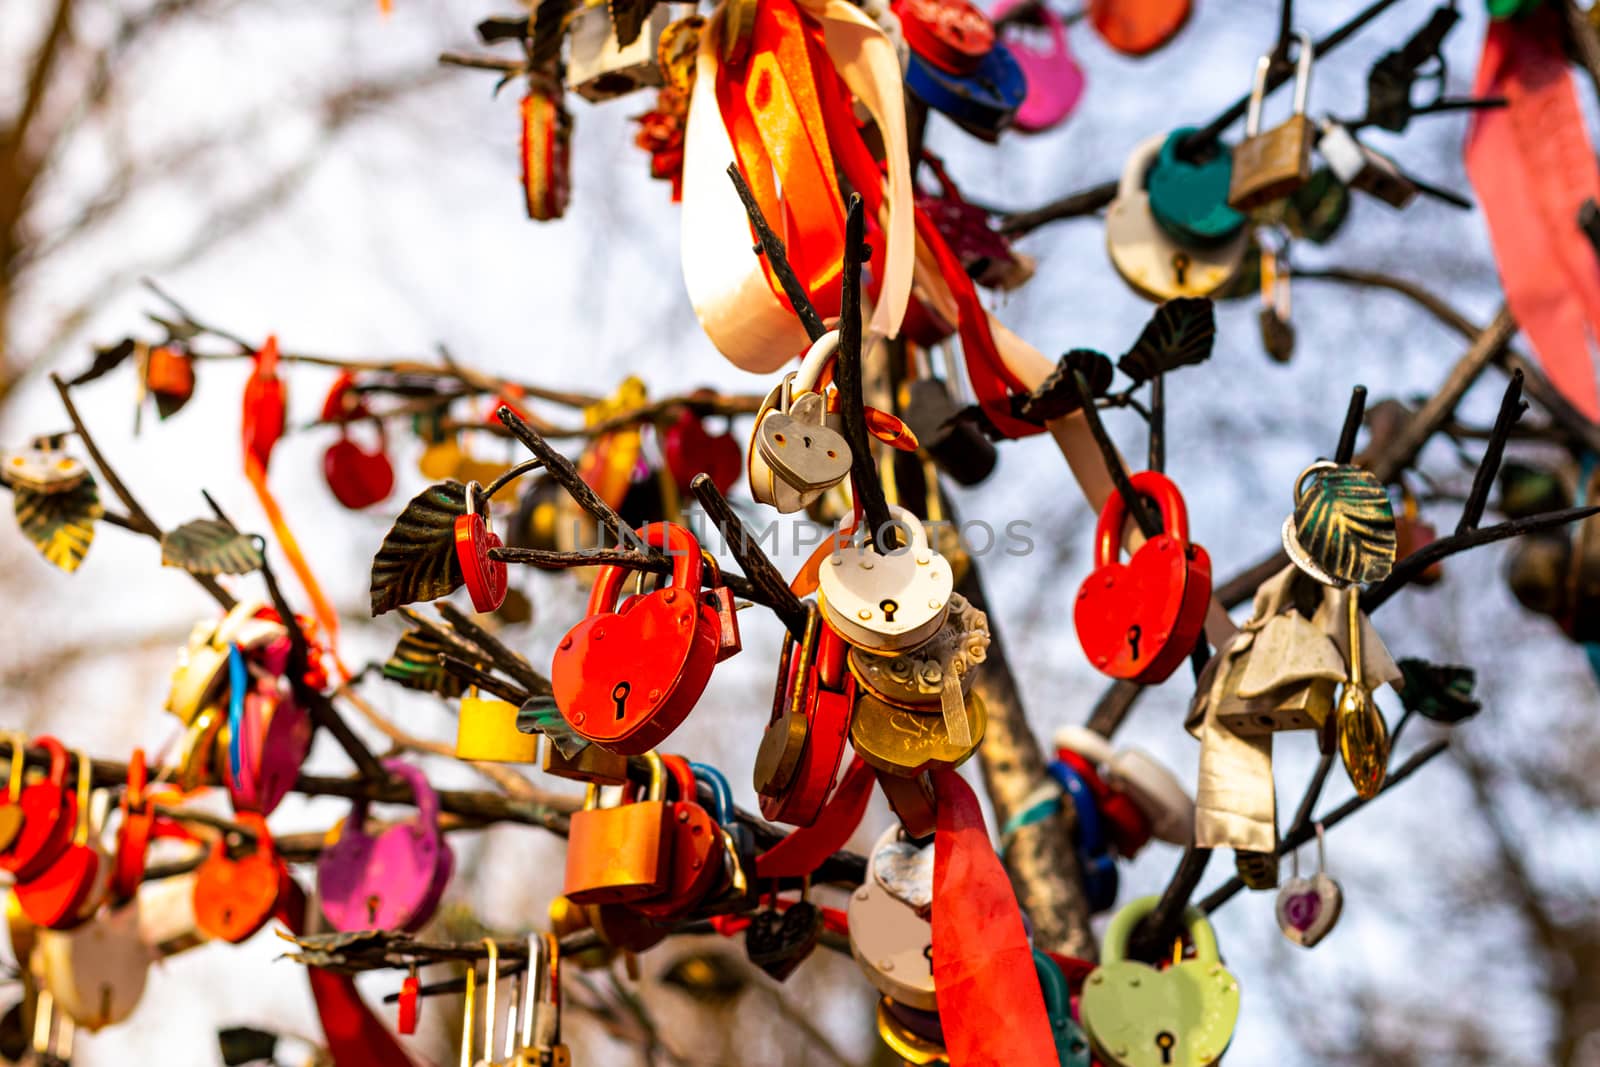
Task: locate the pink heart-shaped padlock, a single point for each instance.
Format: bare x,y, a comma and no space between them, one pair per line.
1055,81
1308,908
394,880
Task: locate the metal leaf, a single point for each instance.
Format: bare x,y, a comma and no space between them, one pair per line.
414,663
417,560
107,360
1344,523
210,546
541,716
1442,693
1058,395
1180,333
60,525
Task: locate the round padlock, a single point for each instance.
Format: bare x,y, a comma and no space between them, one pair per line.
982,102
891,601
1151,261
953,35
1189,198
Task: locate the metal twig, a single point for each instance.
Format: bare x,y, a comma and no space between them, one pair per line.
767,585
847,376
1352,425
771,245
1511,408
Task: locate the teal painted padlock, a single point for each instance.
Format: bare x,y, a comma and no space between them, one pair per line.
1137,1016
1189,198
1072,1047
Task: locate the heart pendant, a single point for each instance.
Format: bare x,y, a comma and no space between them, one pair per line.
1308,908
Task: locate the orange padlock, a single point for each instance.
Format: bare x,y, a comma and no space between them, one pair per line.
234,898
623,853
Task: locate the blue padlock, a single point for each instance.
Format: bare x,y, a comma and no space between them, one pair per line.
1189,198
1094,848
982,102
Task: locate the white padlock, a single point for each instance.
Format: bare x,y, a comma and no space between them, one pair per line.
888,602
1155,265
1363,168
1133,771
797,451
891,943
97,972
599,67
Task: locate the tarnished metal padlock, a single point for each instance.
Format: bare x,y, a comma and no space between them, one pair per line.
1270,165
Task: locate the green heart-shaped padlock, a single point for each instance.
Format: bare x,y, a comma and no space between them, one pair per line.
1189,198
1137,1016
1072,1047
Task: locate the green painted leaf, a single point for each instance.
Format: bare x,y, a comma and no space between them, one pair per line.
1439,692
417,560
541,716
210,546
1057,395
1344,522
1179,334
414,663
60,525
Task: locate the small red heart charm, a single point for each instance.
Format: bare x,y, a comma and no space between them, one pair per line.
410,993
56,897
485,578
357,478
689,449
266,400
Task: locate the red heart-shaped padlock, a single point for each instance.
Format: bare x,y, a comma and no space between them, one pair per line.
690,449
56,897
49,812
626,679
1137,620
485,578
953,35
234,898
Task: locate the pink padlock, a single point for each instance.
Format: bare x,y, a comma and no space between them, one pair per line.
274,738
1055,81
393,881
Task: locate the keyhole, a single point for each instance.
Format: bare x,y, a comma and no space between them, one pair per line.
1180,268
372,909
1133,640
1164,1042
927,954
889,607
805,441
619,695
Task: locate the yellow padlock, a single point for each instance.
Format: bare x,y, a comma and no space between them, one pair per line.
486,730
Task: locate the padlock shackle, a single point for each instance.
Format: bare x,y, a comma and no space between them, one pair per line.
1137,168
1085,742
721,792
1053,984
1302,83
816,359
681,546
58,759
1113,517
904,519
658,777
682,778
1114,947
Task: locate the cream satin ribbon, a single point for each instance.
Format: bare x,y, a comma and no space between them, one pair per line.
727,285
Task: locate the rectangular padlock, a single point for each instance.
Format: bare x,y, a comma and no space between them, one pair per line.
1363,168
620,854
1269,166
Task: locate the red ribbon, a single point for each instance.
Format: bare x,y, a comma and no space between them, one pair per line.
1533,167
804,850
990,1007
355,1035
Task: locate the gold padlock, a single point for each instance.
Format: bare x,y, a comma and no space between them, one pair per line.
593,764
486,730
1269,166
623,853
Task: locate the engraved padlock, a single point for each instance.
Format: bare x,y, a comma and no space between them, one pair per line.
1270,165
798,452
1154,263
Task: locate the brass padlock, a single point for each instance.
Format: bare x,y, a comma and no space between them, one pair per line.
486,730
622,853
1269,166
592,764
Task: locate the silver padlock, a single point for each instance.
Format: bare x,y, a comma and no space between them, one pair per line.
599,67
798,452
1363,168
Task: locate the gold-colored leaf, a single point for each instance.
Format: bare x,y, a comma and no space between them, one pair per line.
60,525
